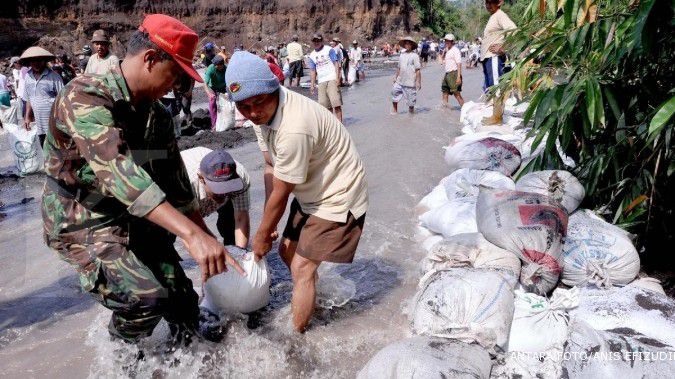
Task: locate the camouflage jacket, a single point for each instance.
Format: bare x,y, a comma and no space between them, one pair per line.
119,159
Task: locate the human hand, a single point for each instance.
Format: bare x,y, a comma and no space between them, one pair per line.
262,243
459,80
496,49
26,124
311,90
211,256
418,85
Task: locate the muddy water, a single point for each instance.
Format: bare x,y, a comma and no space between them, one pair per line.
49,328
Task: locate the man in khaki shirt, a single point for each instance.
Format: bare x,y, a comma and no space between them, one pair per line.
313,157
103,61
295,56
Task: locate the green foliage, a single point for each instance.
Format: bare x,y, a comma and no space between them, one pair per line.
441,16
602,86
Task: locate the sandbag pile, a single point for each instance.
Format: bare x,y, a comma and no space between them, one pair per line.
500,255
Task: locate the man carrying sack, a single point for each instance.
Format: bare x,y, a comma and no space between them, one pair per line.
315,159
117,193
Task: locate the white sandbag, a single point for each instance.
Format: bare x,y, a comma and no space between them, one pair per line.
225,116
472,114
641,311
486,154
649,284
469,250
597,252
454,217
616,353
434,199
10,115
538,334
540,324
351,74
469,305
26,148
465,181
558,184
532,226
231,292
429,243
423,357
513,138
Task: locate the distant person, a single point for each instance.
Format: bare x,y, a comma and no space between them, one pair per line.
183,90
19,72
493,56
209,52
408,78
5,92
295,57
214,80
452,80
424,52
474,54
325,69
103,61
65,68
312,157
221,185
83,58
433,50
282,54
42,86
271,56
356,59
334,44
278,72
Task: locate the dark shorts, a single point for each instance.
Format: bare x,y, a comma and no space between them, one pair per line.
295,69
424,57
323,240
449,84
493,69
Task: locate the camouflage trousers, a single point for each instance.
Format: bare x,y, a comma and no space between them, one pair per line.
141,282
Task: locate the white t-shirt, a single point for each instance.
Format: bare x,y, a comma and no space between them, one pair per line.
192,158
355,55
453,58
323,64
313,150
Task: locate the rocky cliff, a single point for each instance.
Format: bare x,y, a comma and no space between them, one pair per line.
65,25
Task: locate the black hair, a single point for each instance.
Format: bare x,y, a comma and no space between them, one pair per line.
140,41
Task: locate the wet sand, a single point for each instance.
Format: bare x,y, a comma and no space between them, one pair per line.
48,327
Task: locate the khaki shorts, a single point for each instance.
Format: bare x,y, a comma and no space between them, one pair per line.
323,240
329,94
449,85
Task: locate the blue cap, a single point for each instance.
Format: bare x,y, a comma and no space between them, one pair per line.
209,46
248,75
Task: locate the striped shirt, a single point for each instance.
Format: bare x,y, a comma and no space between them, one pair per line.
40,93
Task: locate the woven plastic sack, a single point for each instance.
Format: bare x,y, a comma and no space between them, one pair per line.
558,184
532,226
455,217
486,154
465,182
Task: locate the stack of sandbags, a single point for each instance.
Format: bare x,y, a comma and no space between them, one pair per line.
435,198
484,154
598,253
530,225
422,357
538,334
465,304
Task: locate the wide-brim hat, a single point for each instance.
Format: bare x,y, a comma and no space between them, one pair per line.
337,39
449,37
14,60
100,36
402,41
34,52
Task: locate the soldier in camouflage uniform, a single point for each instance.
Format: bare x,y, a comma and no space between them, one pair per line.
117,192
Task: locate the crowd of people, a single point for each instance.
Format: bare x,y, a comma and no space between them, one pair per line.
115,216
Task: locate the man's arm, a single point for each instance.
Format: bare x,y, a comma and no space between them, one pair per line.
418,79
210,254
312,81
268,174
274,209
242,228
